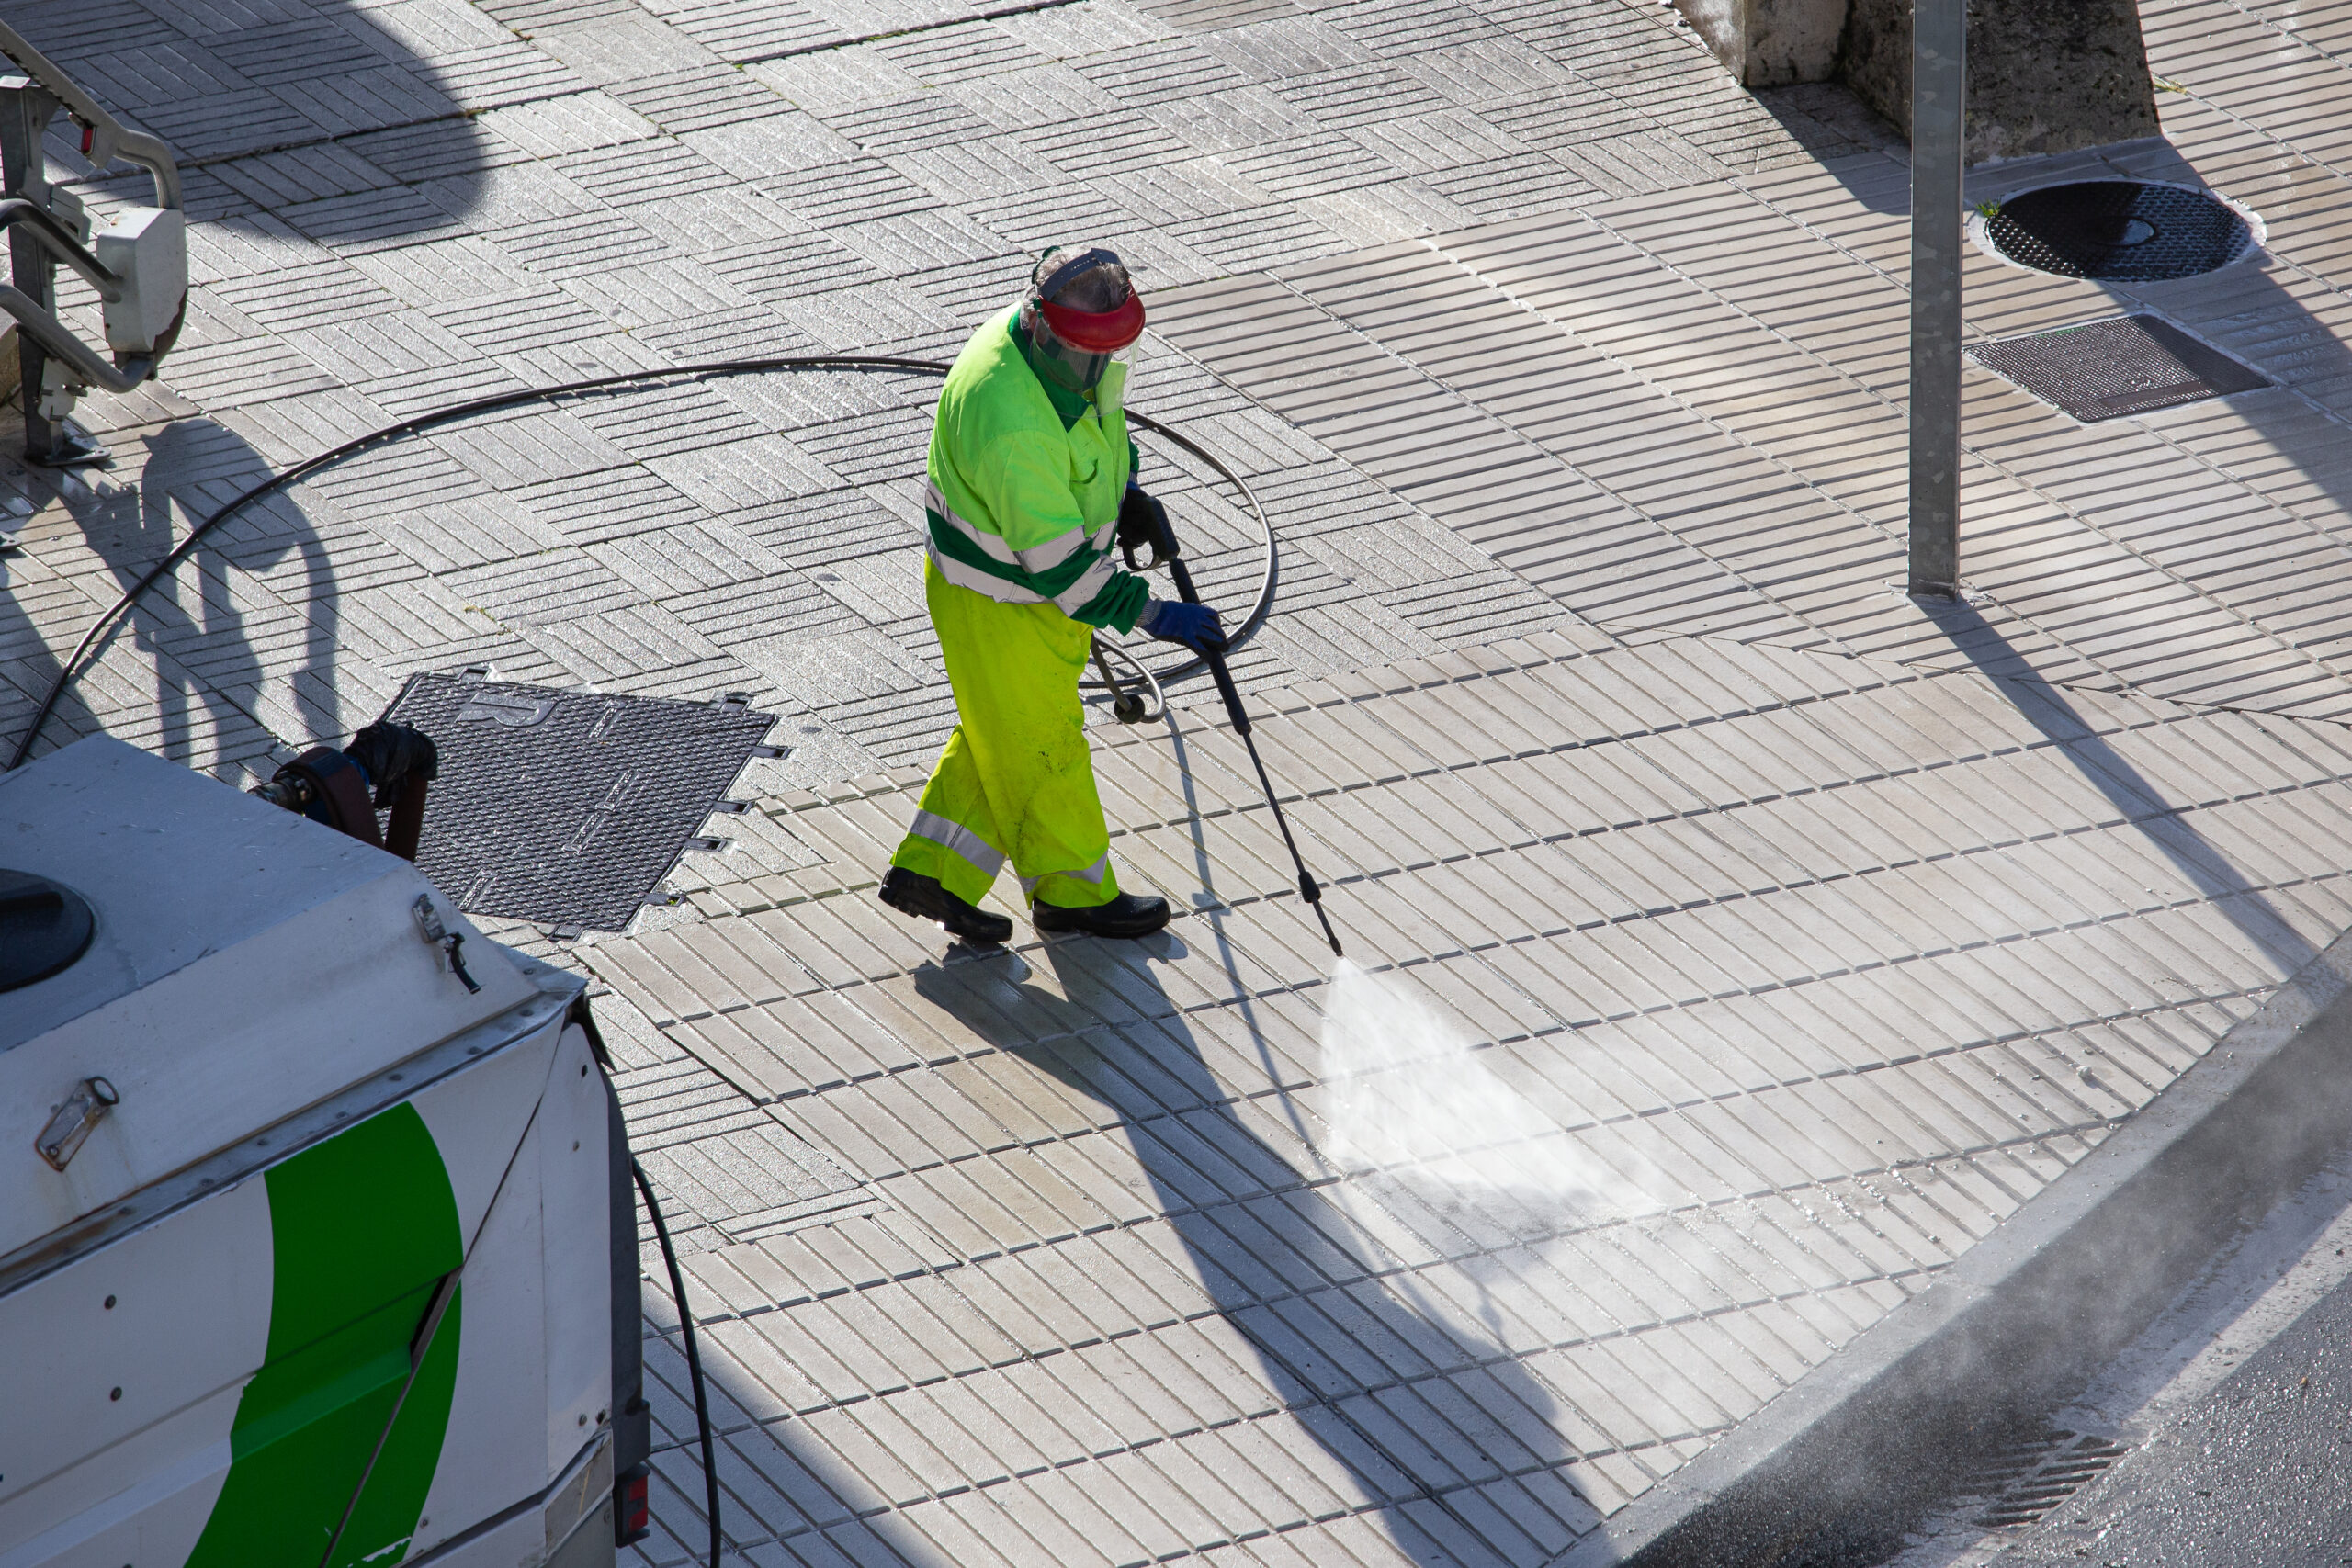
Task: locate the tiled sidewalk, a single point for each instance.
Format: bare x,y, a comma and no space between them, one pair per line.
1813,968
1808,933
403,205
1684,414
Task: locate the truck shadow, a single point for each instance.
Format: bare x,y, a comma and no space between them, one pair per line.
353,95
247,95
257,594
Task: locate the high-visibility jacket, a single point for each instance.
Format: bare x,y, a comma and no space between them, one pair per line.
1022,503
1026,482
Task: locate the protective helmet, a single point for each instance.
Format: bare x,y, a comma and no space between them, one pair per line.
1081,308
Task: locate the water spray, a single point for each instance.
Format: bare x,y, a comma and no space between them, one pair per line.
1165,553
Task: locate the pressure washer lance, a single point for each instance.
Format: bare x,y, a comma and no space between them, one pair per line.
1164,552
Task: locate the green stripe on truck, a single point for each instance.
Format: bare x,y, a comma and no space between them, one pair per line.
363,1227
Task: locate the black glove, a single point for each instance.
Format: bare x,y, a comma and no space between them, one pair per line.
1143,523
389,752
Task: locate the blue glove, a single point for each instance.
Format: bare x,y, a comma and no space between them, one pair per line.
1173,620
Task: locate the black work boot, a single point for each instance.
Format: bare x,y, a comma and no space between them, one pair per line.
926,899
1124,916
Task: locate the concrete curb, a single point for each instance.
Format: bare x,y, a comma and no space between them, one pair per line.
2028,1313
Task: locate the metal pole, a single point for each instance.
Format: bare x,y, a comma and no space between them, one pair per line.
1939,96
26,110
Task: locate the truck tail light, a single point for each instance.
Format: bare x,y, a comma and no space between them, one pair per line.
632,1505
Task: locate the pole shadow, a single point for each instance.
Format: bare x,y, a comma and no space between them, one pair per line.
2143,802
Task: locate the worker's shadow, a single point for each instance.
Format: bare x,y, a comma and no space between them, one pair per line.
241,640
1392,1375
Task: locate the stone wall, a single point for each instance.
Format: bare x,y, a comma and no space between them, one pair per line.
2044,75
1770,43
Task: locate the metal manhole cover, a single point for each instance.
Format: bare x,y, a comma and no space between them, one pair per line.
2125,364
567,808
2116,231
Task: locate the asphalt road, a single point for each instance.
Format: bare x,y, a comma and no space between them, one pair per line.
2255,1474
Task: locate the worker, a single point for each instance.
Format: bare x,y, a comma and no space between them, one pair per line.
1032,481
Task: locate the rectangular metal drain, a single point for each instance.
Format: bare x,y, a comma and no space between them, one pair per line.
2033,1476
567,808
2117,368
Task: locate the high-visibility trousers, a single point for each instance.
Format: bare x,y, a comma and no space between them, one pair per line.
1016,782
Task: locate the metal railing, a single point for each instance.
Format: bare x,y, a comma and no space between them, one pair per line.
137,266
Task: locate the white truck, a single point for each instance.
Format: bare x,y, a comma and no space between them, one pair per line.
317,1241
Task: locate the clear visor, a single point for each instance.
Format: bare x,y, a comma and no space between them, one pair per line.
1069,367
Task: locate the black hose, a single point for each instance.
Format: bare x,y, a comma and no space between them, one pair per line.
105,623
694,1356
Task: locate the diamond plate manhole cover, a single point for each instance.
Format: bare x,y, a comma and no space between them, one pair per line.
2125,364
567,808
2116,231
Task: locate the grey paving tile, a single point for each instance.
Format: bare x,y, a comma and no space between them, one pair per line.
760,30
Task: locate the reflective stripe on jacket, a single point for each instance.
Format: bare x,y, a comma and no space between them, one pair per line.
1019,508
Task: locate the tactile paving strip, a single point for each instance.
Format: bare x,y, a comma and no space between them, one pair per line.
2113,369
567,808
735,1173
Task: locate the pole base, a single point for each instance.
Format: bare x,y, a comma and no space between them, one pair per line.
69,449
1946,593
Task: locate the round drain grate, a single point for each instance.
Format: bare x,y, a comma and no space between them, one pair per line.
2118,230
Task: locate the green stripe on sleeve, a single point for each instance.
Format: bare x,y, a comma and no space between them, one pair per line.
1117,606
956,545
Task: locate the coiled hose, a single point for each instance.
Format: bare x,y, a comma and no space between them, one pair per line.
454,411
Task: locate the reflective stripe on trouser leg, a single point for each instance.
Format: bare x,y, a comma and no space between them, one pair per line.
962,839
1020,744
954,837
1074,889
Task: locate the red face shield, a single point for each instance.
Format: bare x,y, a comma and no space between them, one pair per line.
1097,332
